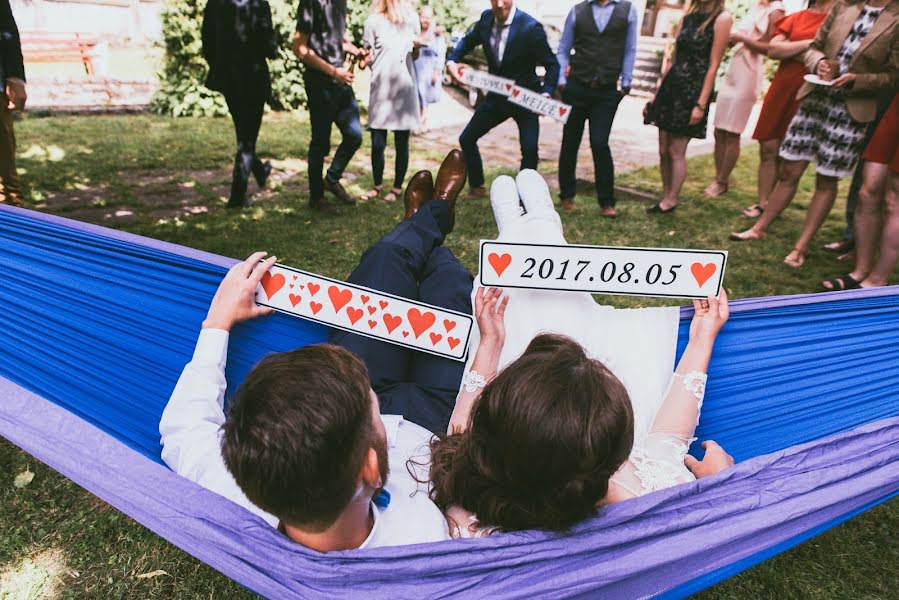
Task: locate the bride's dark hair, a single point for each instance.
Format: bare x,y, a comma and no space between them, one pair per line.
542,441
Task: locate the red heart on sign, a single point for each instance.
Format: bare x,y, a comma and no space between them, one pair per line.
435,338
449,325
372,324
339,298
371,310
420,322
315,306
499,262
295,277
290,286
405,334
515,93
272,283
295,299
461,70
313,288
453,342
508,86
391,322
383,304
354,314
703,273
365,299
562,111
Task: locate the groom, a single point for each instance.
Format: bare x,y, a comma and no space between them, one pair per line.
305,445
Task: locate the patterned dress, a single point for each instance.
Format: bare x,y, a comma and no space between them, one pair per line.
681,87
822,130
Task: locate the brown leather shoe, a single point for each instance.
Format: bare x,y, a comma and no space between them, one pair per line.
339,191
419,191
321,205
451,178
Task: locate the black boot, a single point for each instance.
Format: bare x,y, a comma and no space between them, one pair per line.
261,171
239,178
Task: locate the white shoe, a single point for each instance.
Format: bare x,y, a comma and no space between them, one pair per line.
505,202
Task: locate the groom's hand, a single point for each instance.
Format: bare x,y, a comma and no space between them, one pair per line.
235,299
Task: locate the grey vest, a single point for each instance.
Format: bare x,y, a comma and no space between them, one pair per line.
598,56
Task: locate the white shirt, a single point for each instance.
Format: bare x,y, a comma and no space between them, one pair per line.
191,446
504,34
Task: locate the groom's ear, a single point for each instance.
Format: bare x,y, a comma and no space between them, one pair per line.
371,469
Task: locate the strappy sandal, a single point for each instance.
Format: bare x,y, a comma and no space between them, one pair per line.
393,194
839,284
375,192
753,212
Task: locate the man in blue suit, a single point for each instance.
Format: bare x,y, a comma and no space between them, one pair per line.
515,44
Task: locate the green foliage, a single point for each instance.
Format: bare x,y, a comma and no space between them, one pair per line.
182,93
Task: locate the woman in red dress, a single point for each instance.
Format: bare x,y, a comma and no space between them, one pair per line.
881,178
792,38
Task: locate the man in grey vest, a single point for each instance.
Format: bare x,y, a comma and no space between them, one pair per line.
603,35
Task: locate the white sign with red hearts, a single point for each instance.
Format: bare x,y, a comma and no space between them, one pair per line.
540,104
485,81
665,272
366,312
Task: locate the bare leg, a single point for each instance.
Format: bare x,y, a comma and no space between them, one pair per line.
889,240
665,161
713,188
822,203
768,164
727,152
788,177
869,218
677,148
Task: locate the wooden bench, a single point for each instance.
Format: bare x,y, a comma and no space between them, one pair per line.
44,47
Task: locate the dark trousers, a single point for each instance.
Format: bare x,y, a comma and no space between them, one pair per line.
330,103
492,111
379,145
10,190
411,262
599,107
246,107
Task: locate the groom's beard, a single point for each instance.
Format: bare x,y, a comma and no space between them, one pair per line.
380,445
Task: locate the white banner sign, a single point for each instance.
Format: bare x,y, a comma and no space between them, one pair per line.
540,104
366,312
670,273
485,81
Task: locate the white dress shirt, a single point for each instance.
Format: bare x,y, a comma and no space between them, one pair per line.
504,34
191,446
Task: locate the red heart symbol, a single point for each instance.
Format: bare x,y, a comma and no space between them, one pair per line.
291,286
391,322
702,273
562,111
449,325
461,70
365,299
383,304
420,322
435,338
339,298
295,299
372,324
453,342
302,287
515,92
499,262
295,277
354,314
272,283
371,310
315,306
313,288
405,334
508,86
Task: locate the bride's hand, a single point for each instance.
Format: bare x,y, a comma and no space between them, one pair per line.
489,310
709,318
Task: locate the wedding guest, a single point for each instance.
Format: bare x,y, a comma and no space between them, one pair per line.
390,35
12,98
238,37
430,63
855,56
741,87
792,37
877,213
515,45
680,108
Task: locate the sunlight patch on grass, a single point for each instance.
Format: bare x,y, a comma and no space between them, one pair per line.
35,577
50,153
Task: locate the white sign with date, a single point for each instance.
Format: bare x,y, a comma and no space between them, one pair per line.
665,272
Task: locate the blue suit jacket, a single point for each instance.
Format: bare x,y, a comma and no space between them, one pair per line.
526,48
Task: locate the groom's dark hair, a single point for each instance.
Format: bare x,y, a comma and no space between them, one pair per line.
297,432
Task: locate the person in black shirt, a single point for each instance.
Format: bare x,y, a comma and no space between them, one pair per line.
12,97
319,42
237,38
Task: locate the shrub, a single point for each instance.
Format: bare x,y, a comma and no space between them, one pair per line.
181,91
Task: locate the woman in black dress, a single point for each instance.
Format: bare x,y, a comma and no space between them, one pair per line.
680,108
238,37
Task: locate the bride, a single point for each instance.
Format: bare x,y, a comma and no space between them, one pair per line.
576,405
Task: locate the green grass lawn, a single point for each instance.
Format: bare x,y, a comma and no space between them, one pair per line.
166,179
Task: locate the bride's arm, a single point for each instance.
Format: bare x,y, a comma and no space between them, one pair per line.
490,308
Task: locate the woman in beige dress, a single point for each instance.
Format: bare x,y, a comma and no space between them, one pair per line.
741,87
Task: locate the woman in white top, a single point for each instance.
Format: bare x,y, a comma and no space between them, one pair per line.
540,438
391,34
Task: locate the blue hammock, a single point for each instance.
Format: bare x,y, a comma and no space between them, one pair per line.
96,326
